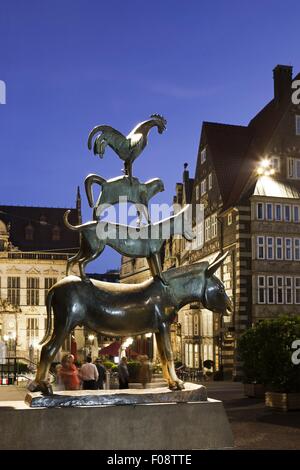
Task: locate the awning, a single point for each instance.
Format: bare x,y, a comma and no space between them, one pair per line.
110,350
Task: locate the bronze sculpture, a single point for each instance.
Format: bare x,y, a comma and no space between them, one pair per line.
126,309
129,309
133,191
137,242
127,148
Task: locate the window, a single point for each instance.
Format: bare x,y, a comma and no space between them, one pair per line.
196,356
13,290
270,290
279,290
214,225
296,213
269,211
56,233
275,164
29,232
288,248
32,330
297,290
210,181
288,290
296,249
196,324
203,155
293,168
260,247
297,125
198,241
197,192
229,218
49,282
279,248
287,213
260,210
33,284
207,229
278,212
203,187
270,248
261,290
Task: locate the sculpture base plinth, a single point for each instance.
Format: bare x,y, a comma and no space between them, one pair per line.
155,426
190,393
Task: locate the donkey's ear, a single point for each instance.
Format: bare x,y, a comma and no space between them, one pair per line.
216,263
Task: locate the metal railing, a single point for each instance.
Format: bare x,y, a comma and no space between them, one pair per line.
15,369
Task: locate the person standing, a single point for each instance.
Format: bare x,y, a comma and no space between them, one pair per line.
101,373
123,373
68,373
89,375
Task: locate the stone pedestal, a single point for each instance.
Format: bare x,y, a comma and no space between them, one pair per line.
152,426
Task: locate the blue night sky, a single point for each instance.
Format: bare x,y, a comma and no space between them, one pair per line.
69,65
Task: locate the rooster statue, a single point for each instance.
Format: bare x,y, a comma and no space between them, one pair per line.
127,148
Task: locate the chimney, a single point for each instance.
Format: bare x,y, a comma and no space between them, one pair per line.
186,173
283,76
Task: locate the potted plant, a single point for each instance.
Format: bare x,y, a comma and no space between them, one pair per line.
281,376
250,350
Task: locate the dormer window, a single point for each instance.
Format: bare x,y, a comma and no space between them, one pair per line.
29,230
275,164
43,220
56,233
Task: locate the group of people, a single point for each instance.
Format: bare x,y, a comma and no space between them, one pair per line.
90,376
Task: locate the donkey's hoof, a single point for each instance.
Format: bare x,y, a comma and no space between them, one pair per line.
180,386
43,387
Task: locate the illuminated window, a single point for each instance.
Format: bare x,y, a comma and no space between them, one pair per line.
33,284
13,290
203,155
203,187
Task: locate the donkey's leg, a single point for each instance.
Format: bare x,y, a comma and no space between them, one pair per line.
165,335
164,362
48,353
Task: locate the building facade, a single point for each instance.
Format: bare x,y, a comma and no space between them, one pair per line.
248,181
34,247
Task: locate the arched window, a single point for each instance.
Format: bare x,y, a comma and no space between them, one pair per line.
56,233
29,230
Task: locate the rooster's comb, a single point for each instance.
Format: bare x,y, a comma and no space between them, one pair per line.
159,116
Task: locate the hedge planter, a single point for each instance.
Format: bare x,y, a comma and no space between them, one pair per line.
283,401
254,390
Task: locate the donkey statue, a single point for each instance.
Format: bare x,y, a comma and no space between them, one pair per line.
129,310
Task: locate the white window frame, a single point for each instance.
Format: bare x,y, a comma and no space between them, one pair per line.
209,181
270,244
203,155
286,247
288,288
294,210
261,287
203,187
297,290
269,204
296,249
207,235
229,218
270,286
275,212
275,163
280,246
262,210
293,168
279,286
214,226
260,243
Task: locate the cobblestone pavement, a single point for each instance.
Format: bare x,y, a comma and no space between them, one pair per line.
253,425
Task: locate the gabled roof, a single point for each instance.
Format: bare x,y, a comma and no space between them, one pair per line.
42,221
227,145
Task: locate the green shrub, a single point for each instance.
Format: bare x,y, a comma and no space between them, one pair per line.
266,352
108,364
